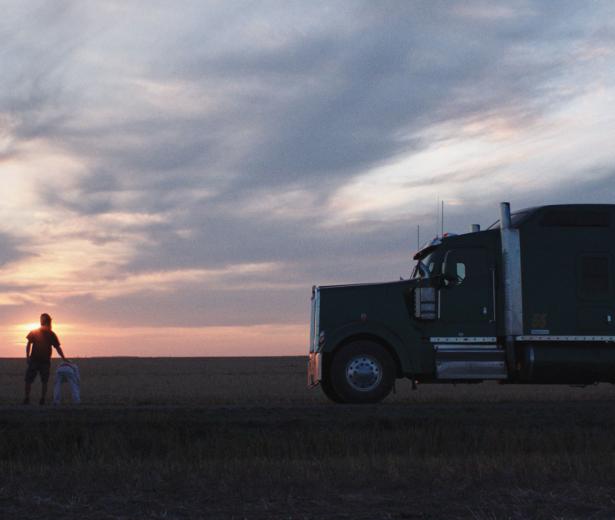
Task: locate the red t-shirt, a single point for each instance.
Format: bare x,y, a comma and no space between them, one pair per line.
42,340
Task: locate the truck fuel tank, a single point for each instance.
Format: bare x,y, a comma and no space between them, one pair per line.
574,363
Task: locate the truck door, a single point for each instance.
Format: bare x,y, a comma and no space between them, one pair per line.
466,303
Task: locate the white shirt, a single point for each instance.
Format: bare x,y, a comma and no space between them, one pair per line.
69,369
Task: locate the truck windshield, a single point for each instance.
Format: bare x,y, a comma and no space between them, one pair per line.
424,267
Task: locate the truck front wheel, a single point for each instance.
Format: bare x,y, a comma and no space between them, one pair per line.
329,391
362,372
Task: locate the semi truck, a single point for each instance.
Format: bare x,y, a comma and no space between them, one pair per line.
530,299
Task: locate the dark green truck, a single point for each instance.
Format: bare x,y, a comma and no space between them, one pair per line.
529,300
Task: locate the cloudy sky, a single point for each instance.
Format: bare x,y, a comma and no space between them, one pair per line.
177,175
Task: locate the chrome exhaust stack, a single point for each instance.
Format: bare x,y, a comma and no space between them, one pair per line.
511,271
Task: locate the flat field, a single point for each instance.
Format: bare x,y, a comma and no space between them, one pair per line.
244,438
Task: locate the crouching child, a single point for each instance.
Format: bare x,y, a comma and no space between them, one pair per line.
67,372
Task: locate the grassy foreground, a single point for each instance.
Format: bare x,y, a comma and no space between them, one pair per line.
539,455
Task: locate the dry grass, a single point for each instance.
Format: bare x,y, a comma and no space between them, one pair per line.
244,438
255,381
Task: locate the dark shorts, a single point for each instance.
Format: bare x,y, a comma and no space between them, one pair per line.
37,367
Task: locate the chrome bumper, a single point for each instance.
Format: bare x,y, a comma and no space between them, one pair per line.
314,369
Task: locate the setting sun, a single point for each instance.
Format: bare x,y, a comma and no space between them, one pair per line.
16,334
27,327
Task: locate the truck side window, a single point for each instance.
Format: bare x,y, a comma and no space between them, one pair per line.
461,271
594,276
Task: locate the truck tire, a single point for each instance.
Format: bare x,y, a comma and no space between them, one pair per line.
328,390
362,372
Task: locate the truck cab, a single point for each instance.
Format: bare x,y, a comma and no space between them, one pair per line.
528,300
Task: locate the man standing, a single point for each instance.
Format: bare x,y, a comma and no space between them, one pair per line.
38,354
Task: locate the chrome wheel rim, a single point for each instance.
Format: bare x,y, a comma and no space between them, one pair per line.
363,373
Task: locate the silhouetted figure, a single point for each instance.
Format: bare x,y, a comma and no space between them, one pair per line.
67,372
38,354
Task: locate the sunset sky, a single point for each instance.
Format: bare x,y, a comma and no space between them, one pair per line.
177,175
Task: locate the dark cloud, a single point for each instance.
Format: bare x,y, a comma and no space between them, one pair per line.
37,46
11,249
327,104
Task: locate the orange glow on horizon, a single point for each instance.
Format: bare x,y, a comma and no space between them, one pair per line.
87,340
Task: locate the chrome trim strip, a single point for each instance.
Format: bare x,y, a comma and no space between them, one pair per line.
493,302
564,338
315,345
312,332
466,347
463,339
480,370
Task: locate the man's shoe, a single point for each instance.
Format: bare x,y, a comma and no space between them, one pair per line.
42,401
26,401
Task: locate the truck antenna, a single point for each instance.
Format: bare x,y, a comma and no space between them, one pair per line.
418,238
437,216
442,221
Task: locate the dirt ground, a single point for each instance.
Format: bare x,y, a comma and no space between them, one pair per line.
245,439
